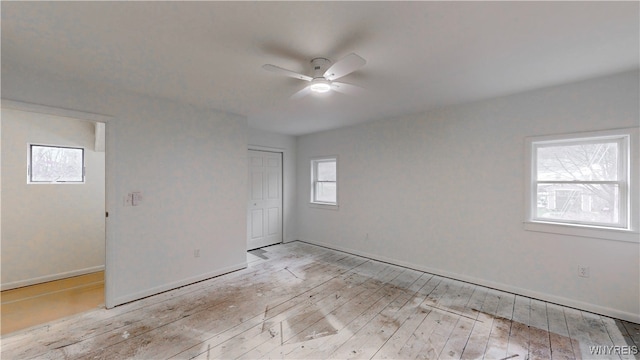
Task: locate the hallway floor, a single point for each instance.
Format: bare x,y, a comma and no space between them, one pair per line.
28,306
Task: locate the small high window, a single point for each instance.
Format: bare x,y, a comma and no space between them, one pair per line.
324,181
55,164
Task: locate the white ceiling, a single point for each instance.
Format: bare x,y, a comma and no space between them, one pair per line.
420,55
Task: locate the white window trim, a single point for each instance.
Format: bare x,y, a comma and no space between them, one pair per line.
84,165
319,204
629,232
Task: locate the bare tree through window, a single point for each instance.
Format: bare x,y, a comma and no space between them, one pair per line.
579,181
56,164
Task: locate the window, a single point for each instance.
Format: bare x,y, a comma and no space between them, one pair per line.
324,181
581,180
54,164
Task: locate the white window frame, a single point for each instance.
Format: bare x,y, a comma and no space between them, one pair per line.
30,164
629,176
314,171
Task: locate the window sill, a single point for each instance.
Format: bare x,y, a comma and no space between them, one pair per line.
324,206
55,182
584,231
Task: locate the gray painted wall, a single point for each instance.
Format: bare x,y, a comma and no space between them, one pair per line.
189,163
444,192
440,191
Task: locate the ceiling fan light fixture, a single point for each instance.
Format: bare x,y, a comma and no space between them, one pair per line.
324,75
320,86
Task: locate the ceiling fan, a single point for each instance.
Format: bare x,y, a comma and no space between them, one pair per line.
324,74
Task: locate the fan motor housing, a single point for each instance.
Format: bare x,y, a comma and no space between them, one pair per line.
320,66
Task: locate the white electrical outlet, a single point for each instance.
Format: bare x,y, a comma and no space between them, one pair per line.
583,271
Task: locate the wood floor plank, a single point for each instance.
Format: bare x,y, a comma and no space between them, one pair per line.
79,328
620,337
479,336
301,336
394,288
519,335
219,344
271,329
45,307
123,323
247,303
633,330
459,338
431,316
377,332
378,269
539,336
474,306
447,328
350,317
8,296
430,336
300,301
391,348
579,333
560,341
501,328
357,314
599,334
310,324
597,330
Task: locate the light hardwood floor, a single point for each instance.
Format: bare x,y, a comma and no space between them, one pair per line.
299,301
37,304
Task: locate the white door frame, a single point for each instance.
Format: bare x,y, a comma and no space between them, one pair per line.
109,165
282,153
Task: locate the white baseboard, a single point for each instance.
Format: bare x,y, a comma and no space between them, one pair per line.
176,284
46,278
602,310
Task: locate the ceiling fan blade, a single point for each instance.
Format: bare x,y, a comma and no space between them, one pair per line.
285,72
344,66
346,88
302,93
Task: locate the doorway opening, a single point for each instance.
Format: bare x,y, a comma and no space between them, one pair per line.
53,227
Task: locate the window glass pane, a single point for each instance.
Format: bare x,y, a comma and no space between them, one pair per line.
50,164
326,171
586,162
326,192
588,203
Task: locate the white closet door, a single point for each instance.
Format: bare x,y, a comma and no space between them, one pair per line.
264,216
